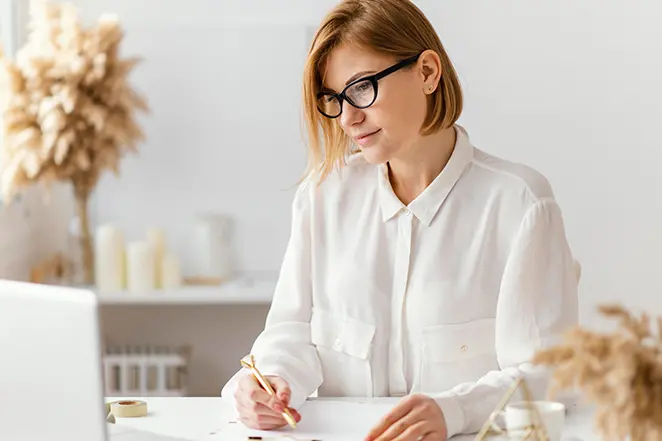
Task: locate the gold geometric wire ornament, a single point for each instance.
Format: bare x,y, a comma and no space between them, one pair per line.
536,431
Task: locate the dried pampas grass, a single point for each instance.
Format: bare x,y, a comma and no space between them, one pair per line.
68,110
620,372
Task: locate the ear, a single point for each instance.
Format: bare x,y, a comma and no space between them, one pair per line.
430,68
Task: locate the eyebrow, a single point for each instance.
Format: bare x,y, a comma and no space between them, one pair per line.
357,75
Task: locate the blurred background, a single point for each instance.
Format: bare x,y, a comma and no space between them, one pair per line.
570,88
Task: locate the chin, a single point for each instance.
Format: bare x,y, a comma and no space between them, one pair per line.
374,155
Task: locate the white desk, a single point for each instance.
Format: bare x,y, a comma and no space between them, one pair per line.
208,419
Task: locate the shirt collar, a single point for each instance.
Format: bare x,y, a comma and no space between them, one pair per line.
427,204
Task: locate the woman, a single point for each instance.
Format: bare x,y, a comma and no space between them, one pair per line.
418,265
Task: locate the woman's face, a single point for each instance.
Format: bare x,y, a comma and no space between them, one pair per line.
391,125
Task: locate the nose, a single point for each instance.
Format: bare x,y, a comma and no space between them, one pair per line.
350,116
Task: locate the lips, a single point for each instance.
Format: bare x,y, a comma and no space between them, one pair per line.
364,137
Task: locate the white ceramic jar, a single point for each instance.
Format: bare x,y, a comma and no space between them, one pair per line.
212,249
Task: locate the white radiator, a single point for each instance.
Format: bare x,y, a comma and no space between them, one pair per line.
145,371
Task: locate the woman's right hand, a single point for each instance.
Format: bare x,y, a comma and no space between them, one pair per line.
259,410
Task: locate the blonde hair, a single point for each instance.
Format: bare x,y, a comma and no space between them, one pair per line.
396,28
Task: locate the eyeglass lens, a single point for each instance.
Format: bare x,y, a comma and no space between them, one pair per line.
361,95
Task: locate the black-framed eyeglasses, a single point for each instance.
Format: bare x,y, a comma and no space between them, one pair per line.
360,93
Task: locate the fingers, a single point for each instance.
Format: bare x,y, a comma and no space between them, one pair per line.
258,409
399,428
417,431
296,415
263,422
396,414
261,417
250,393
261,409
252,408
281,388
415,417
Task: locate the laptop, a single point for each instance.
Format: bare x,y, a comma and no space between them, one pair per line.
51,382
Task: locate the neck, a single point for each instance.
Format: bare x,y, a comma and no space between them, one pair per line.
410,174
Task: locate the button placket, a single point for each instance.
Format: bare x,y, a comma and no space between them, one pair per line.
397,380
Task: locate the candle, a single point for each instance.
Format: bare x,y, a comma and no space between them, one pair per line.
109,258
156,240
140,267
171,272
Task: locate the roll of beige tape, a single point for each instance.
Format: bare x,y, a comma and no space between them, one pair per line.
128,409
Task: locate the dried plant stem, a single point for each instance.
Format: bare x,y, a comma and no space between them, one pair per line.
82,196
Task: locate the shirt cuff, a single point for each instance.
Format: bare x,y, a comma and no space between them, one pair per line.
453,414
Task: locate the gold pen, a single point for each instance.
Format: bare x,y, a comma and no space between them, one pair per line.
265,384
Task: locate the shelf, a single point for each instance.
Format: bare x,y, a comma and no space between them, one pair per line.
240,292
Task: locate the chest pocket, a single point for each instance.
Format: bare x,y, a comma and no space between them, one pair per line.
344,345
456,353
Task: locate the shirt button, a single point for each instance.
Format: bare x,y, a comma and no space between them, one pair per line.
407,212
463,348
337,343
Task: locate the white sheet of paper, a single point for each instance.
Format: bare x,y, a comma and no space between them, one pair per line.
121,433
331,421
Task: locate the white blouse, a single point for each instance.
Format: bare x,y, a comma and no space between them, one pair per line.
449,296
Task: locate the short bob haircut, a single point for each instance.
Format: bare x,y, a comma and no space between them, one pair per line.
396,28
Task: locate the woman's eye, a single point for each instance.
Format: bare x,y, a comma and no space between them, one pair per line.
362,87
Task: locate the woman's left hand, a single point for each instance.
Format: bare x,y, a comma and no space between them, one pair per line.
416,417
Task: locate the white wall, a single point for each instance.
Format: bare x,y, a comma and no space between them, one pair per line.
569,87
